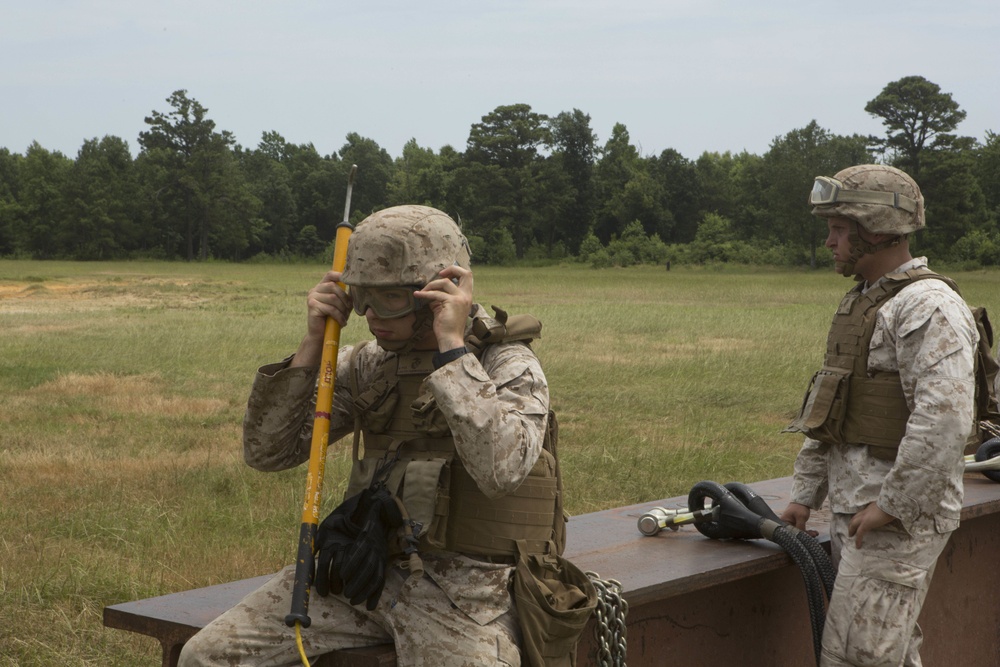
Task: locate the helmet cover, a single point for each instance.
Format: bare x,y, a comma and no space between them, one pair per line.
877,218
404,245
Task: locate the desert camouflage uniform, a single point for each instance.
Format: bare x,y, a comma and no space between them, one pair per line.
460,611
925,333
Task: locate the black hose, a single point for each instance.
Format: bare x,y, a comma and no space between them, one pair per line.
822,560
755,503
745,515
814,586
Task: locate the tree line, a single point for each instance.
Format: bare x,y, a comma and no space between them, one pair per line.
526,187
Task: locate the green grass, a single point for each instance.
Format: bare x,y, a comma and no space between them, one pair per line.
123,387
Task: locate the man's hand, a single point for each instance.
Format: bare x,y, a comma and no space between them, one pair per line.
326,299
797,515
870,518
450,299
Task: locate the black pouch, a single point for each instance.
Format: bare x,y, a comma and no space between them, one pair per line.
554,600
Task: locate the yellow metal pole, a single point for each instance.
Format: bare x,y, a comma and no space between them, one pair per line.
305,562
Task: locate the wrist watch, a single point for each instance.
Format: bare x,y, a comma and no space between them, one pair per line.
442,358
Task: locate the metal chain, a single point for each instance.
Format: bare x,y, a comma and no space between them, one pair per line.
610,627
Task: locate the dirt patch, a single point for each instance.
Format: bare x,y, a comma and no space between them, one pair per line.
24,297
128,394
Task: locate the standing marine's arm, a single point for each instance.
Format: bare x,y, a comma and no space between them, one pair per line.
935,342
810,481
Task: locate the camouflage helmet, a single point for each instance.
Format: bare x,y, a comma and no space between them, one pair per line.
881,199
404,245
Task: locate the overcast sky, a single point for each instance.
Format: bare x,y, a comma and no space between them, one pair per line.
695,76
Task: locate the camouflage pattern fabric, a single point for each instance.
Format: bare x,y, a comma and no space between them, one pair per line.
404,245
927,334
459,612
880,589
469,621
496,407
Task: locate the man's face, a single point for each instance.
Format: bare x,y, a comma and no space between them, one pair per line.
838,241
398,330
391,329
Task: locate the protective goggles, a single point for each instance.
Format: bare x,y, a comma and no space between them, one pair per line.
828,191
385,302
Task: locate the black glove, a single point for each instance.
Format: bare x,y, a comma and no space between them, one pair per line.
366,558
337,532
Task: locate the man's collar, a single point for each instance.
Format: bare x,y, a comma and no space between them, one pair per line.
915,263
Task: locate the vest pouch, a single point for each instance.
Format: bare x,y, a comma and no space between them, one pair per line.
425,496
427,418
822,413
554,600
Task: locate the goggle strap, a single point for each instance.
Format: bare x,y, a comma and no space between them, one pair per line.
893,199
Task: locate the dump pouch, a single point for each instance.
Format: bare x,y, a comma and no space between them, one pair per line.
554,600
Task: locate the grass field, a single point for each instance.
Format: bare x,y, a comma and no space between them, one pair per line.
123,386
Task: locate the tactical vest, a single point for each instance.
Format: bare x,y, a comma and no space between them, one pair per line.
408,444
845,406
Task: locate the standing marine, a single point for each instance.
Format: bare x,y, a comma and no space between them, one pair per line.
886,419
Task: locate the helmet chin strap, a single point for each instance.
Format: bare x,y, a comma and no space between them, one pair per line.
423,323
859,248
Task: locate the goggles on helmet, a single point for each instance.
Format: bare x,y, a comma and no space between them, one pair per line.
827,191
385,302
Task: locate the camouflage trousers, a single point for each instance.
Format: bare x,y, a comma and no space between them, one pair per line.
450,616
880,588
